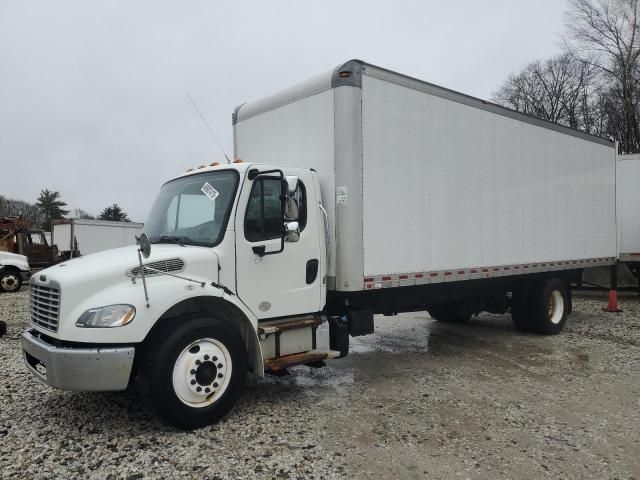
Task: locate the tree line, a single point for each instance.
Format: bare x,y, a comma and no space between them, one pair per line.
50,206
594,84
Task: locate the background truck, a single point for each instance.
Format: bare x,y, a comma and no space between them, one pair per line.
628,195
361,191
14,269
17,236
76,237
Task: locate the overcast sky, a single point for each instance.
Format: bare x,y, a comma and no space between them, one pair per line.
93,94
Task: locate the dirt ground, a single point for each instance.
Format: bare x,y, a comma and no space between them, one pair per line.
418,399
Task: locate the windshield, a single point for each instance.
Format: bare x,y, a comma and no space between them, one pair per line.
193,210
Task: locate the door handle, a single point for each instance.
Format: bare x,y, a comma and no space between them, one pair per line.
259,250
312,271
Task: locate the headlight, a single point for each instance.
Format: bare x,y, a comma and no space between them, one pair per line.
107,317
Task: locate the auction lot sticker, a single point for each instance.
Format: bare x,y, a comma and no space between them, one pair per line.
209,191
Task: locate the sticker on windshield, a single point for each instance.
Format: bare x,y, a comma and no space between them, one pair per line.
209,191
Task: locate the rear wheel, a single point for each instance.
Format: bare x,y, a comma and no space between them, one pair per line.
548,304
193,376
451,313
10,281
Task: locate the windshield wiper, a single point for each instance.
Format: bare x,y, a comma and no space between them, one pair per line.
170,239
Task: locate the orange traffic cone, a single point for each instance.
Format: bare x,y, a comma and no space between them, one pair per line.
613,307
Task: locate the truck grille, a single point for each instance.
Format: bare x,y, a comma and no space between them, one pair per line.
170,266
44,306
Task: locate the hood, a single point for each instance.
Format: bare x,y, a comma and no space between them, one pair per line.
7,258
119,264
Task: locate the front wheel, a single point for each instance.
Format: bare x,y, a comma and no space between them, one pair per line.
193,376
10,281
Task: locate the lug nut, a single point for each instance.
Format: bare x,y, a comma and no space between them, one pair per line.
198,362
219,365
193,372
207,390
206,357
219,375
193,382
199,389
215,359
215,384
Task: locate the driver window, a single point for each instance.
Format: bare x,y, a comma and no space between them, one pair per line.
263,220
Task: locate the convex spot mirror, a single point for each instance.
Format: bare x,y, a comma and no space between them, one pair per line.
292,231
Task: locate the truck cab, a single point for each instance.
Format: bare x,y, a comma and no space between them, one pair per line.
230,277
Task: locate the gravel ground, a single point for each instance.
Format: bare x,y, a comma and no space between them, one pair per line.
418,399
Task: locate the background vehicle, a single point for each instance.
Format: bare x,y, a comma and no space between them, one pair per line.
14,269
361,191
628,195
76,237
17,236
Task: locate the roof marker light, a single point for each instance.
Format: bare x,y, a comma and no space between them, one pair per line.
190,169
214,164
237,160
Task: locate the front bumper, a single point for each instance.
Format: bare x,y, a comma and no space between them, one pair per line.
83,369
26,275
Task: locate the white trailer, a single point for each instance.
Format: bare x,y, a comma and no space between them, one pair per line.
361,191
76,237
628,195
628,208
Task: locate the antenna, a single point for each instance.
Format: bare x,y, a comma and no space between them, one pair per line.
207,125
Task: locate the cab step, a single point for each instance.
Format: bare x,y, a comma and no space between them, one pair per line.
285,325
286,361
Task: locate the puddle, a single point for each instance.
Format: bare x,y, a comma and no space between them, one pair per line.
303,376
394,335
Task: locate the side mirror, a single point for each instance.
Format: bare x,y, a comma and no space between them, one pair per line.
292,184
292,231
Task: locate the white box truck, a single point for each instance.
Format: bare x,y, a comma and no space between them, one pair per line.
628,208
628,194
76,237
362,191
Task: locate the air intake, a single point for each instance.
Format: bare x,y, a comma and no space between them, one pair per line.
172,265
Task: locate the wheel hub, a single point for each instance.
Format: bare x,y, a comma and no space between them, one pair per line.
202,372
9,282
206,373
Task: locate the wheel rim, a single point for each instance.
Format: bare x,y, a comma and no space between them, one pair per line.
202,372
9,282
556,307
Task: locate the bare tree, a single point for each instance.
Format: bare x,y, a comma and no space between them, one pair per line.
561,90
606,35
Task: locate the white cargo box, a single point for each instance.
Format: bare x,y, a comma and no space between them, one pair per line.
628,194
93,236
426,185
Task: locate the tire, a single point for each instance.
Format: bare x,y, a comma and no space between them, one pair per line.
192,376
451,313
519,308
548,305
10,281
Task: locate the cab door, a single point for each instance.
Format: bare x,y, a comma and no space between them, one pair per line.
278,283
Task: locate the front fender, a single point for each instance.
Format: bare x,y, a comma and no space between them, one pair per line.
164,292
